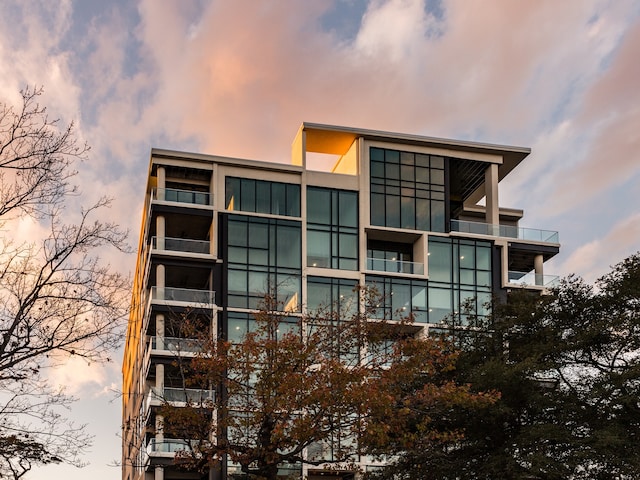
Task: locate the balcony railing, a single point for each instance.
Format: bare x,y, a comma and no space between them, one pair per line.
181,245
204,297
184,395
175,345
510,231
168,445
531,278
182,196
397,266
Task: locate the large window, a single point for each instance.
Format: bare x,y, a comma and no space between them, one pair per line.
260,196
264,256
326,294
332,228
398,297
407,190
459,278
459,284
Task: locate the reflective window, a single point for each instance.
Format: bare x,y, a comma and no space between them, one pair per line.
260,196
332,294
407,190
332,228
264,256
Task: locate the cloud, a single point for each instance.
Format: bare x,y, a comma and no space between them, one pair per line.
593,259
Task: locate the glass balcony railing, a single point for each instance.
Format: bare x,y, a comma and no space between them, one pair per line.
182,196
397,266
203,297
175,345
184,395
168,445
181,245
510,231
531,278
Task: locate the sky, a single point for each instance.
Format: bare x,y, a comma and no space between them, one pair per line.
238,77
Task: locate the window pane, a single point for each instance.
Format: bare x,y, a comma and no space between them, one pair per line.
278,199
263,197
348,205
440,262
248,200
293,200
318,206
288,247
377,209
376,154
483,260
232,189
237,233
318,249
393,211
437,216
408,213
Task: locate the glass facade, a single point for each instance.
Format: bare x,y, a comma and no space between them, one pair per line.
459,283
407,190
260,196
459,277
332,294
263,256
332,228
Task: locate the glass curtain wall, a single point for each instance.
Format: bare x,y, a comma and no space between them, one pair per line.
407,190
332,228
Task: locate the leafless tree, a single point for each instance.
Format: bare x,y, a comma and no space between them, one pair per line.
57,298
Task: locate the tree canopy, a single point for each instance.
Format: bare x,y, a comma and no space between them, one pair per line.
567,367
319,389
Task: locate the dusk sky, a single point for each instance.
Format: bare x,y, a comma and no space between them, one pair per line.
238,77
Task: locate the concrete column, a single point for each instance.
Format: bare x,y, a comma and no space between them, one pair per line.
539,269
160,331
160,232
491,194
160,282
161,176
159,471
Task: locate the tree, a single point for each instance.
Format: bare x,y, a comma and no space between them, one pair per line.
57,299
318,389
567,366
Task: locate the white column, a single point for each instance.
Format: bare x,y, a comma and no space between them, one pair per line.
491,194
160,232
161,176
160,282
160,331
539,269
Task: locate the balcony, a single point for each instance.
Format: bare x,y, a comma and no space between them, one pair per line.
509,231
186,295
175,345
182,196
157,397
168,445
396,266
181,245
532,279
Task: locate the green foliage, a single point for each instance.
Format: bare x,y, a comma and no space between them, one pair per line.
567,366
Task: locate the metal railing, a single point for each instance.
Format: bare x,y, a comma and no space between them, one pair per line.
510,231
204,297
181,245
176,345
182,196
397,266
531,278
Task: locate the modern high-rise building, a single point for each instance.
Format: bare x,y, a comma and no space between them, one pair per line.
355,207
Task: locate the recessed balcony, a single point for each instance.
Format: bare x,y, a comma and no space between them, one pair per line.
509,231
181,196
168,445
183,295
525,279
175,345
181,245
395,266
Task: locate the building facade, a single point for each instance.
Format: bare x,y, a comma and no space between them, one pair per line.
354,207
